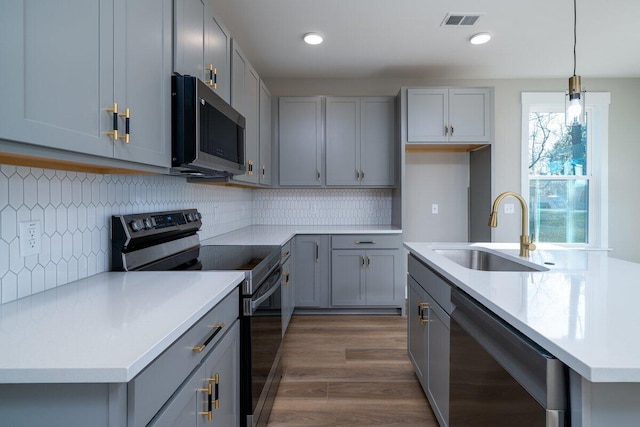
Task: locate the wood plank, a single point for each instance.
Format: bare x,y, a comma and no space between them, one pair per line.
349,370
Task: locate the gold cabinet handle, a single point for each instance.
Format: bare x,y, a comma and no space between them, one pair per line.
286,278
200,348
422,306
451,132
213,76
362,175
127,122
209,412
216,395
114,111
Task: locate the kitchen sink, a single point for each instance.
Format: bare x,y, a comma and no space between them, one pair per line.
478,259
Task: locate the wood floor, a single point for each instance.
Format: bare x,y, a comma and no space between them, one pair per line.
344,370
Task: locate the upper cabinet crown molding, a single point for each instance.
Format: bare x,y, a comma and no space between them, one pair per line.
447,115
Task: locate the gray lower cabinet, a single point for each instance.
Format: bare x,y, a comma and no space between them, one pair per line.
366,278
428,340
311,266
177,389
360,141
210,397
288,289
202,45
67,75
417,330
300,146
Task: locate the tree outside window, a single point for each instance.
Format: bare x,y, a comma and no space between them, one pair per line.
559,176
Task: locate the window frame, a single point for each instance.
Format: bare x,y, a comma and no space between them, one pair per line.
597,106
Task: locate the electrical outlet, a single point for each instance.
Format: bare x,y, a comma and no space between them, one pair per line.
509,208
30,238
434,208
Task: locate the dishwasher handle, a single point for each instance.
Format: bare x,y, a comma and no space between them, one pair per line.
535,369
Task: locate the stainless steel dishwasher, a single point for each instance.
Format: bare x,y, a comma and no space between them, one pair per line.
499,377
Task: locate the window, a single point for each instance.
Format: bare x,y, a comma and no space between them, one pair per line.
564,170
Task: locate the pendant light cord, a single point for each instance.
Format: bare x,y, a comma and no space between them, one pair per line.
575,37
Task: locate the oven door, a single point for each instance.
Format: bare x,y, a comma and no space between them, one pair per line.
261,325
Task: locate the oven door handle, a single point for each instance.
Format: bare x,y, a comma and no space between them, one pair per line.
263,298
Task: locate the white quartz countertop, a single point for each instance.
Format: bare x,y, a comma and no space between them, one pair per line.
105,328
583,310
281,234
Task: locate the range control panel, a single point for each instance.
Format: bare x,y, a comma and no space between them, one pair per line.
133,230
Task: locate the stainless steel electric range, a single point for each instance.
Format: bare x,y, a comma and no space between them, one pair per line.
161,241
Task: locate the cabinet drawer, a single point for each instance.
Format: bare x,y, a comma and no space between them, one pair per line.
366,241
152,387
435,285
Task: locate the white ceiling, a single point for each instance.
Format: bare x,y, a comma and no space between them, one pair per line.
404,39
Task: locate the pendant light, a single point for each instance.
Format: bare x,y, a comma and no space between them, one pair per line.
575,111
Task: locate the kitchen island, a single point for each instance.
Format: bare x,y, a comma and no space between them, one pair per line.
582,310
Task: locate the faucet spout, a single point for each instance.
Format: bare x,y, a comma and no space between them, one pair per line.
526,241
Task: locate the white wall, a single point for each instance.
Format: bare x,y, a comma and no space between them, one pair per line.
442,179
624,139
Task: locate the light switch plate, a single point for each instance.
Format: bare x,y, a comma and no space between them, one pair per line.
30,238
434,208
509,208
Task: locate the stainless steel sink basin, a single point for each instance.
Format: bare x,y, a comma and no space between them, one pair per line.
477,259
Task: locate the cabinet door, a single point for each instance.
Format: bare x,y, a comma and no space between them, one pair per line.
300,141
438,361
310,262
222,370
417,331
181,410
245,90
347,277
265,135
287,300
57,80
427,115
142,60
343,141
381,269
469,115
217,54
377,141
188,42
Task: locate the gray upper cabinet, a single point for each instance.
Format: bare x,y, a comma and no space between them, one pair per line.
202,45
448,115
360,135
245,97
265,171
67,74
48,98
143,80
300,141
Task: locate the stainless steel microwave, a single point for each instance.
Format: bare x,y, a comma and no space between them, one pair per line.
208,135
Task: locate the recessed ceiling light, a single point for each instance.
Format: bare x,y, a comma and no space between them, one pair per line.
480,38
312,38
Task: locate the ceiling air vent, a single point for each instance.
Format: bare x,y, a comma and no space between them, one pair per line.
460,19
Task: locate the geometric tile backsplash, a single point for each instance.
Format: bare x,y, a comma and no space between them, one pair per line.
75,209
322,207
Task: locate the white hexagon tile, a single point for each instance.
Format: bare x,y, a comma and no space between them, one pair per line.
75,209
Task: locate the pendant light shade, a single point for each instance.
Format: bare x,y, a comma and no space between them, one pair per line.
574,100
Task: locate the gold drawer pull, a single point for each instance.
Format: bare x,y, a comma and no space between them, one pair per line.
200,348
